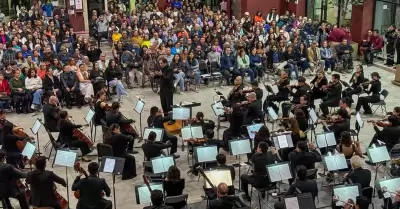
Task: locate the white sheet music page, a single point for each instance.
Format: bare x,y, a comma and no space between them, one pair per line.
330,163
218,109
341,161
167,162
197,132
144,193
274,173
109,165
282,141
392,185
284,170
330,139
346,193
186,133
321,141
379,154
292,203
218,176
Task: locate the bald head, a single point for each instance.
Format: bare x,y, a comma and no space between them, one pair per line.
53,100
222,189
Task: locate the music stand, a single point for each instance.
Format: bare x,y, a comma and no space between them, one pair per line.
139,109
239,147
359,120
181,113
218,109
377,155
89,120
159,132
192,132
335,162
162,164
301,201
115,166
282,141
28,152
279,171
272,114
326,139
313,118
66,158
346,192
205,154
252,129
35,131
143,195
217,176
391,186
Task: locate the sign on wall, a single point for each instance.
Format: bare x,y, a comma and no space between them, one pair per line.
79,5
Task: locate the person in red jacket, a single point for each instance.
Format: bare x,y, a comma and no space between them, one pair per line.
4,93
376,47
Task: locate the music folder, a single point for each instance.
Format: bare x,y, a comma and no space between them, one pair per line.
313,115
218,176
392,185
272,113
113,165
162,164
29,150
326,139
36,126
180,113
300,201
359,120
335,162
252,129
192,132
89,116
346,192
143,195
279,171
377,154
283,141
65,158
139,106
205,153
218,108
239,146
159,133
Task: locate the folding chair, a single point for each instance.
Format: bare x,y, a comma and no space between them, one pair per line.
395,151
382,103
104,150
176,199
368,193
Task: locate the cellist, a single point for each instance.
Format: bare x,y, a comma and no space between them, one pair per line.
100,107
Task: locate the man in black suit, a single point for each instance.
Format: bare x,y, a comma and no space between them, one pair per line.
342,124
389,135
225,201
303,184
374,94
253,109
302,88
358,175
50,114
157,201
114,116
166,85
91,189
305,156
42,185
151,148
8,183
334,94
260,160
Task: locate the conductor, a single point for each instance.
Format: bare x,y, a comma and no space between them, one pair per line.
166,85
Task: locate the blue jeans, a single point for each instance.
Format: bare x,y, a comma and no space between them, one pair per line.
249,71
293,67
118,87
180,78
329,63
304,65
4,105
37,97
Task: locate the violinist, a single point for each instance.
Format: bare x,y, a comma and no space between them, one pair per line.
42,186
91,189
283,92
236,120
51,114
252,108
389,133
342,123
204,123
358,174
100,107
114,116
334,94
119,143
374,95
302,89
317,83
356,80
235,95
9,176
66,128
10,139
255,88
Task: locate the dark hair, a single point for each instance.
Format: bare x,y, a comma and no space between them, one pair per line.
153,110
302,145
163,60
336,76
114,126
221,159
157,197
345,138
263,146
376,30
152,136
30,72
93,168
115,105
263,134
7,129
200,115
209,134
254,83
301,172
396,109
301,79
345,100
174,174
63,114
40,163
99,94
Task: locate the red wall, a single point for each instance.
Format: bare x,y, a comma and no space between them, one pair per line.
77,21
361,20
252,6
299,9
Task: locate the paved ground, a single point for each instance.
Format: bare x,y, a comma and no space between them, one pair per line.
125,193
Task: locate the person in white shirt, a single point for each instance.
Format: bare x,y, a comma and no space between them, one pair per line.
103,63
34,84
155,38
272,16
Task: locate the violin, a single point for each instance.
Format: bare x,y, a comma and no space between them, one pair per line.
380,123
79,169
196,141
331,120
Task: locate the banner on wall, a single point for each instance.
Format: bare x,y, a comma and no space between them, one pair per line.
78,5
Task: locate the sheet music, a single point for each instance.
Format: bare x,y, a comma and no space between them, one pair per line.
341,161
158,166
206,154
378,154
65,158
218,109
272,113
144,193
251,129
392,185
346,193
282,141
292,203
274,173
139,106
186,133
219,176
158,131
359,120
29,150
181,113
168,162
284,170
89,116
330,163
276,143
313,115
197,132
330,139
239,147
109,165
36,126
289,140
321,141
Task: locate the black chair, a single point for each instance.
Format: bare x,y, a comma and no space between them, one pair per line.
93,128
176,199
262,190
382,103
106,130
104,150
368,192
356,131
54,145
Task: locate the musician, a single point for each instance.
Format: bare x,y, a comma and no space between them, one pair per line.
264,156
263,135
334,94
119,142
252,107
356,80
303,184
342,123
389,134
114,116
236,120
235,95
152,149
374,95
302,89
225,201
157,201
347,147
10,139
66,135
204,123
317,83
304,155
8,183
358,174
91,189
283,92
157,120
166,85
100,107
50,114
259,92
42,185
174,185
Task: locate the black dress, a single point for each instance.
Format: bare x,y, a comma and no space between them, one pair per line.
173,188
119,143
99,113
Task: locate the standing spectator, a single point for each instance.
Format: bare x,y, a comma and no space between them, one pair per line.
102,28
272,16
47,9
376,47
390,38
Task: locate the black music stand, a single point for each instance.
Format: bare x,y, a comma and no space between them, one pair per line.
143,195
35,131
239,147
377,155
218,110
28,152
89,120
139,109
66,158
301,201
273,116
335,163
115,166
314,121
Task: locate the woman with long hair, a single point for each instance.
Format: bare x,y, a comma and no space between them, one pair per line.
33,83
85,84
179,72
113,76
174,185
194,71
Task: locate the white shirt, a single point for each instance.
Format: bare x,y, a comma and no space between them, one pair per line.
33,83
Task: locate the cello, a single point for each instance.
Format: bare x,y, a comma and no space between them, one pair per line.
81,136
79,169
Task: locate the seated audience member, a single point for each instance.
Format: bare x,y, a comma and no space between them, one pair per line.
243,63
113,75
52,85
5,91
327,56
301,183
376,47
275,59
34,85
365,44
69,86
345,53
228,63
85,84
225,201
157,201
19,93
290,56
314,58
174,185
152,148
256,63
358,175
